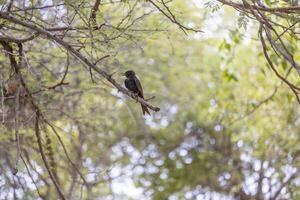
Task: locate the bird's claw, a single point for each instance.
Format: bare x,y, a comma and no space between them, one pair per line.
136,96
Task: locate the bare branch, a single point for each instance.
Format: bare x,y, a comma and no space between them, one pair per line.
79,56
41,150
172,18
293,9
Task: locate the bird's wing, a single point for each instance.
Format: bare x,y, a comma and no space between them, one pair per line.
139,87
127,84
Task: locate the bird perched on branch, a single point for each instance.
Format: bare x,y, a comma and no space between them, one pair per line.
133,84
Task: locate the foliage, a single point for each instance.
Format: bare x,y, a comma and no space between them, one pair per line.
227,128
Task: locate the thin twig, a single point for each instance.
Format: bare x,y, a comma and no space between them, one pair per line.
2,98
17,108
66,152
30,175
41,150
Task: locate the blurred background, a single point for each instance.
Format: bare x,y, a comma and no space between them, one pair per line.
228,128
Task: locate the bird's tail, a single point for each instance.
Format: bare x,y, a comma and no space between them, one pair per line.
145,110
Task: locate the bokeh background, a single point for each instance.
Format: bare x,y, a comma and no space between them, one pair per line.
228,128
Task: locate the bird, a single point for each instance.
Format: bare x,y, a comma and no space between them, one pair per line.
133,84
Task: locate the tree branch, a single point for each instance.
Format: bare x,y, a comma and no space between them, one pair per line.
79,56
292,9
39,140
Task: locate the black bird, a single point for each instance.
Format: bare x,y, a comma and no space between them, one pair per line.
133,84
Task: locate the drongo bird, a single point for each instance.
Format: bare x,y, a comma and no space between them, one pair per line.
133,84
